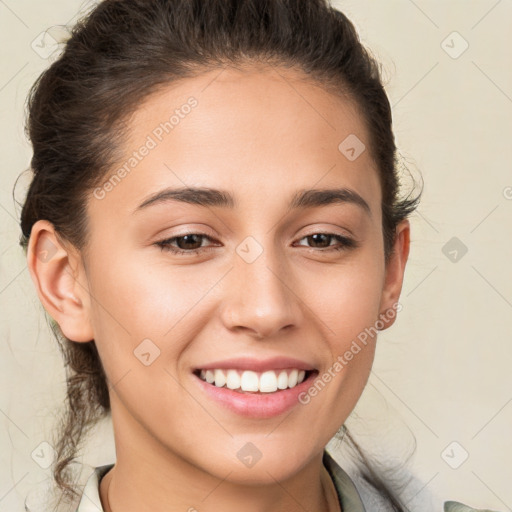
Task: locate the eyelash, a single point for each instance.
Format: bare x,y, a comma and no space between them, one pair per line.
346,243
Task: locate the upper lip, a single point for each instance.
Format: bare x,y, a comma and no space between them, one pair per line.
258,365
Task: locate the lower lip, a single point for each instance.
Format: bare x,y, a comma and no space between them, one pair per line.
257,405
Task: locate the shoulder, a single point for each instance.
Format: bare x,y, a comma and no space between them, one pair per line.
47,496
90,500
356,495
455,506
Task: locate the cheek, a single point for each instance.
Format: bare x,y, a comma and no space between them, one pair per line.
346,302
346,299
136,307
142,325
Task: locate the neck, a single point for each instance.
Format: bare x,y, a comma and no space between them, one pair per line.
329,500
149,476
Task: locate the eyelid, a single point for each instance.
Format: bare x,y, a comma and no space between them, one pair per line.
346,233
345,242
165,243
314,231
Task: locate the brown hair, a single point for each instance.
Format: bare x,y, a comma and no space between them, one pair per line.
124,51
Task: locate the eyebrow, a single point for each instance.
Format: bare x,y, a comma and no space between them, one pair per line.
210,197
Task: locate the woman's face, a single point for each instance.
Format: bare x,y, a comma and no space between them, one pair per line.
257,280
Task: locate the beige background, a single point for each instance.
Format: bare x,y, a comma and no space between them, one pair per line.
442,373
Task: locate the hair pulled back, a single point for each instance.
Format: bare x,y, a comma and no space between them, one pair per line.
124,51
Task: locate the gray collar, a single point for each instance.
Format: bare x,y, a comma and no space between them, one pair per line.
348,495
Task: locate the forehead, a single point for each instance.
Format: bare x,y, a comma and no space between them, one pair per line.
261,131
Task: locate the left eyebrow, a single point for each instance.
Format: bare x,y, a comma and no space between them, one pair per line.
302,199
323,197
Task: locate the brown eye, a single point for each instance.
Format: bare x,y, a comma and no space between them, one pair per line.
323,241
321,238
189,243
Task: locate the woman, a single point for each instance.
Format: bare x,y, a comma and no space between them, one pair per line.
258,133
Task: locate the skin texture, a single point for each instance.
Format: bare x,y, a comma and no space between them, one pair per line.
261,134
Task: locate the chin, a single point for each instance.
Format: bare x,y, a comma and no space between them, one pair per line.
255,464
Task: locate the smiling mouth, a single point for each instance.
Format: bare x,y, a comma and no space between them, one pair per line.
247,381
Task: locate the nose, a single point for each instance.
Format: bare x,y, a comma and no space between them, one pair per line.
260,297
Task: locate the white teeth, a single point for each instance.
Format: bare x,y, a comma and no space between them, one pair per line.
268,382
292,378
249,381
265,382
282,380
232,379
220,378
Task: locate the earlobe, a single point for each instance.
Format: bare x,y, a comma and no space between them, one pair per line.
56,271
395,270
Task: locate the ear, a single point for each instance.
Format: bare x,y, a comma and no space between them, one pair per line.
395,269
58,275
